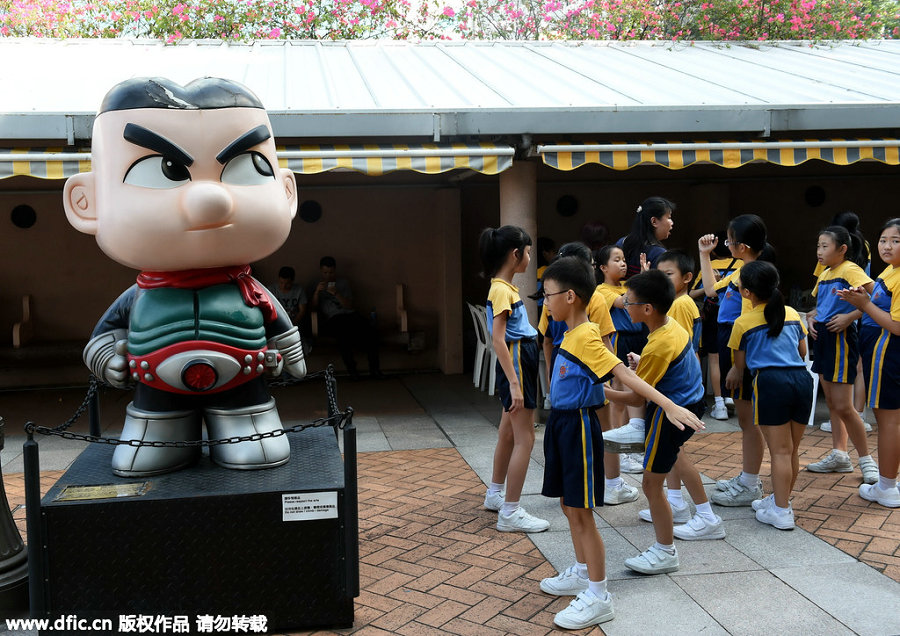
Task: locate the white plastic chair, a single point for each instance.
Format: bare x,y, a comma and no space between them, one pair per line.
491,354
815,376
480,345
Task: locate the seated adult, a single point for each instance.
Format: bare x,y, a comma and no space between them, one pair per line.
290,294
333,298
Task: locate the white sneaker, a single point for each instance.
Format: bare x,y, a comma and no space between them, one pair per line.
625,439
826,426
566,583
699,528
585,610
782,521
869,470
620,495
493,500
887,498
737,494
729,404
653,560
631,463
832,463
725,484
680,515
719,412
765,502
521,521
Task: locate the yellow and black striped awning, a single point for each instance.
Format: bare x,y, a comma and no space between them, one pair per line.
378,159
728,154
371,159
44,163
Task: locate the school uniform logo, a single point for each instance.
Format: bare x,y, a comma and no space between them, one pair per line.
562,370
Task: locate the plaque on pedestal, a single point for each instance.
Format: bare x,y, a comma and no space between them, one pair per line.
205,541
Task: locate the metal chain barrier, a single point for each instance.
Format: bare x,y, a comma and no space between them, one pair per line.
336,419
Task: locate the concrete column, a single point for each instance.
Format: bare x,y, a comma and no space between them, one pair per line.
450,339
518,206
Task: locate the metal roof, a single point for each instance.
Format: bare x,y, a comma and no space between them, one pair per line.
436,90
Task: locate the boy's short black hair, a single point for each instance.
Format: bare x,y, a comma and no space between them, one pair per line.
572,273
653,287
205,93
287,272
683,261
327,261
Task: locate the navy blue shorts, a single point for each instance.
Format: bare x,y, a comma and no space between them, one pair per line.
524,354
787,395
573,458
709,330
835,355
664,440
881,367
625,342
726,361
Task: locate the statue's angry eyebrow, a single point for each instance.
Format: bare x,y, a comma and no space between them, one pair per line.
150,140
244,142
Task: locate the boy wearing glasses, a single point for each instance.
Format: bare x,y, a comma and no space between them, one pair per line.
573,441
668,362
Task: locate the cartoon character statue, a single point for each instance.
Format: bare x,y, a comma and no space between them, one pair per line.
185,187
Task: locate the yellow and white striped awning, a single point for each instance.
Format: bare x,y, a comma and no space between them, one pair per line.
44,163
728,154
378,159
371,159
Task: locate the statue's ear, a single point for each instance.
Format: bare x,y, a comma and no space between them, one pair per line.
80,202
290,189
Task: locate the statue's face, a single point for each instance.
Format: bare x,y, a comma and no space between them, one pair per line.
183,189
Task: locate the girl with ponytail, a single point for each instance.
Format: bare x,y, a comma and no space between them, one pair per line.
651,226
770,340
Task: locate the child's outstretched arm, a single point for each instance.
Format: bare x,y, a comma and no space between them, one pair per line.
679,416
859,298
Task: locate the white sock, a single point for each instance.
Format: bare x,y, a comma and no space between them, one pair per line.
749,480
675,497
637,422
866,457
842,454
494,488
614,484
670,549
598,588
720,401
581,570
885,483
705,511
509,507
781,511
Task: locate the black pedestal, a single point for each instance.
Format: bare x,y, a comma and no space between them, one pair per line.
207,541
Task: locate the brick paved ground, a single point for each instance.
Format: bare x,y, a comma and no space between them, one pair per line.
432,562
828,505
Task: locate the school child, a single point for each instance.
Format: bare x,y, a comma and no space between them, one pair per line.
679,267
879,342
669,364
723,263
860,253
770,341
506,251
617,491
651,226
746,241
573,440
630,336
832,324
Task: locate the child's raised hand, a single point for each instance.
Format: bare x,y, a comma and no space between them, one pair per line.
856,296
645,266
633,360
707,243
682,418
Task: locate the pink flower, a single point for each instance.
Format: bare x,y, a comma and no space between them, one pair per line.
449,12
275,33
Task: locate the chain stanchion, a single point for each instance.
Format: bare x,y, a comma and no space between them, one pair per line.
336,419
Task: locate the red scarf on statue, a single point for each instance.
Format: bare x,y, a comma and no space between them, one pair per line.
254,294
